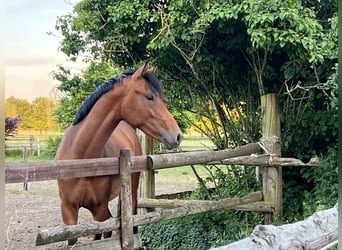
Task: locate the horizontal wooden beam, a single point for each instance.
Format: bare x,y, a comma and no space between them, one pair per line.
198,157
167,214
51,170
61,169
64,232
258,206
165,203
268,160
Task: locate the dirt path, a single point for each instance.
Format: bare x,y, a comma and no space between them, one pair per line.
28,212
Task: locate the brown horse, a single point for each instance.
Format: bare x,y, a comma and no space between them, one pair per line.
136,98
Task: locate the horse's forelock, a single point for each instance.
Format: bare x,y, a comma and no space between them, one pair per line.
153,82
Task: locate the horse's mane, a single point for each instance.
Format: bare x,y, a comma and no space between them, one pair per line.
88,104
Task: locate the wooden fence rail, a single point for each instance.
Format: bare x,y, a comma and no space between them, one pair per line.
23,143
64,232
51,170
16,172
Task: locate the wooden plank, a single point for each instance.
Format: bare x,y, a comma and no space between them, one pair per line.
258,206
272,176
268,160
198,157
109,243
166,214
127,242
51,170
64,232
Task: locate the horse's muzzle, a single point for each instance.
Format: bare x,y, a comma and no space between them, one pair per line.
170,141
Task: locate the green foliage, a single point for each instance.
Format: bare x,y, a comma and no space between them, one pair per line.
325,189
215,228
37,115
76,89
310,129
52,145
310,190
211,229
212,56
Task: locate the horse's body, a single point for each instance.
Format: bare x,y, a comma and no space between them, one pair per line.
98,131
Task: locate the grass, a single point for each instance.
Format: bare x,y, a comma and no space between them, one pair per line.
196,143
18,157
178,177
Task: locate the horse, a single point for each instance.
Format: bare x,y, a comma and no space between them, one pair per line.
98,131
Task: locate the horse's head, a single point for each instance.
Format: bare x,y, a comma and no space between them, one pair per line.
144,108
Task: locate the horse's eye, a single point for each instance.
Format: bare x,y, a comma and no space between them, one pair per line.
150,97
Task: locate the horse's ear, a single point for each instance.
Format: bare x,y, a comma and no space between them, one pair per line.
141,71
152,70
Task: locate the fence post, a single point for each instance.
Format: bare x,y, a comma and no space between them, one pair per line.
31,145
38,146
25,185
272,176
147,185
127,241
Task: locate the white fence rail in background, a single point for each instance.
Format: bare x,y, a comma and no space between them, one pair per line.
27,144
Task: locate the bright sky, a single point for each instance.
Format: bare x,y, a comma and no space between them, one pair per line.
30,53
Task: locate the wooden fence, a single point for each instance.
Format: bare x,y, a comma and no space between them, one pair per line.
264,153
26,144
16,172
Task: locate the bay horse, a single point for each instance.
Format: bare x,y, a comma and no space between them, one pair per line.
98,130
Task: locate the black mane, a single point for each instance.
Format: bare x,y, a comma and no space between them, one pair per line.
88,104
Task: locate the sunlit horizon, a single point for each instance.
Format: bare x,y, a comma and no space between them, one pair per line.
31,55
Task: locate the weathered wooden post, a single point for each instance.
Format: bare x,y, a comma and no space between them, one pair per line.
272,175
127,241
31,145
147,184
25,185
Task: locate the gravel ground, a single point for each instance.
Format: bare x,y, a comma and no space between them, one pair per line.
28,212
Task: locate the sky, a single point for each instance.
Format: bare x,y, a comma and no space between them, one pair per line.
30,53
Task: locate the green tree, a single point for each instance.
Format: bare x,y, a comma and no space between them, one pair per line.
76,88
262,44
15,107
41,117
214,56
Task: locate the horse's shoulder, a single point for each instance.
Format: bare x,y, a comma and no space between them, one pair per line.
66,142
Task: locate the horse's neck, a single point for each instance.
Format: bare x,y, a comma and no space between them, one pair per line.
94,131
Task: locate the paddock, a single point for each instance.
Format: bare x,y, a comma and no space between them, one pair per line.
68,168
265,154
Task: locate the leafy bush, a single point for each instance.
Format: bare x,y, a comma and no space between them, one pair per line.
209,229
52,144
200,231
11,125
325,180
